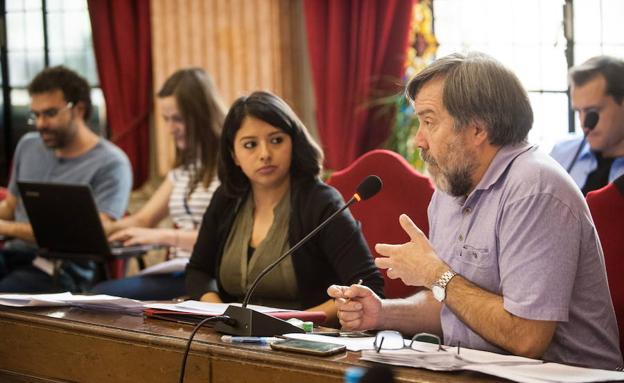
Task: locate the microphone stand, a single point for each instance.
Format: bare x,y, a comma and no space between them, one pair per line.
591,119
249,322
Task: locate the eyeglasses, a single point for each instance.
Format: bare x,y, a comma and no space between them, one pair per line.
46,114
393,340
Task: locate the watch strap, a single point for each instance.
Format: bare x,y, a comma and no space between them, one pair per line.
445,279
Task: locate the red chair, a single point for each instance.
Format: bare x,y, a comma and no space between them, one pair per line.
404,191
607,209
3,194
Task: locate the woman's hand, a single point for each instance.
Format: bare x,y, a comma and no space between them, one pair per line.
140,236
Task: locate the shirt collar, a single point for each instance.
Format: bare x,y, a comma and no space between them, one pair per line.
501,161
585,151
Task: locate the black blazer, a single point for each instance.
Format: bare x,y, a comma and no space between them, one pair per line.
338,254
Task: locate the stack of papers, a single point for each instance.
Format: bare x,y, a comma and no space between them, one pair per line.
352,344
427,355
206,308
548,373
94,302
170,266
194,311
510,367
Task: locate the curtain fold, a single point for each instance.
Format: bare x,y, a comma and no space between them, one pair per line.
122,45
357,52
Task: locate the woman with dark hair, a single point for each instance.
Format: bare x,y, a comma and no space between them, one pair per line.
270,198
194,113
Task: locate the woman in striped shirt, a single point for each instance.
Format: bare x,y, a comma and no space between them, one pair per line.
194,113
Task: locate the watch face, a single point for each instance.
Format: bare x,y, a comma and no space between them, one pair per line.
438,293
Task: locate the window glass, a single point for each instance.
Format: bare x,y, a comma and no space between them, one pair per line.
24,44
69,43
20,106
598,30
524,35
69,38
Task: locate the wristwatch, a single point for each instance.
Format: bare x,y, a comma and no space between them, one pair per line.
439,287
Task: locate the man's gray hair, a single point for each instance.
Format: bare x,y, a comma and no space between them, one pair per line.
479,88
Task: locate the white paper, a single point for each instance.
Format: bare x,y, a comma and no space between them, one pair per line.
98,302
170,266
30,300
549,372
516,368
206,308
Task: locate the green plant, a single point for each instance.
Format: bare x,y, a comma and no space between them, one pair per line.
405,126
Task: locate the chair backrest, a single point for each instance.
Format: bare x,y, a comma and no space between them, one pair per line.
404,191
607,209
3,194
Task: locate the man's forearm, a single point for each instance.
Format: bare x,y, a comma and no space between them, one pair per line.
485,314
418,313
17,230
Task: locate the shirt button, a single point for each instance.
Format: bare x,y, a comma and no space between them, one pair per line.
467,210
461,237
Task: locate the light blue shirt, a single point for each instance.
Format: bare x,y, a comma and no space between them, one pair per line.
586,162
525,233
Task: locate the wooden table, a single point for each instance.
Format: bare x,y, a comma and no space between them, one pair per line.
74,345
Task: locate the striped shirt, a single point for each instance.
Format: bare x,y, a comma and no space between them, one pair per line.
185,211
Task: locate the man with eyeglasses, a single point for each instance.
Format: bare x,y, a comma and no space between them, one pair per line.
63,149
513,263
597,158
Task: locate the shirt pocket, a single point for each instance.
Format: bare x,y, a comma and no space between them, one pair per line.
475,255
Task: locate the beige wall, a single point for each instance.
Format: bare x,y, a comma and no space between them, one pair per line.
244,44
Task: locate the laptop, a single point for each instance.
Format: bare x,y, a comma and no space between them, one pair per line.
66,223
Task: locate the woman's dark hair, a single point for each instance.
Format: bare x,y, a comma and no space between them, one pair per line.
307,156
203,112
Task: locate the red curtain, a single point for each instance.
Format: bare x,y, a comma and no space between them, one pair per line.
122,44
357,53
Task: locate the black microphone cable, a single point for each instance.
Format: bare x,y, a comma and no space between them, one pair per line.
591,119
222,318
365,190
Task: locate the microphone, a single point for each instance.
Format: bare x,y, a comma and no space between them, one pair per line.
591,119
590,122
248,322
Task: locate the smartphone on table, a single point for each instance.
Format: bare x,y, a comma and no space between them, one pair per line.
308,347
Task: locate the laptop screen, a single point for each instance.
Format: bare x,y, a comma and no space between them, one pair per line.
64,218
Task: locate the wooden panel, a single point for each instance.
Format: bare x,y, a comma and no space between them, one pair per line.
232,371
245,45
86,356
72,345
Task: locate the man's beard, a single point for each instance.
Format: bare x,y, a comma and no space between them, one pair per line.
56,138
456,180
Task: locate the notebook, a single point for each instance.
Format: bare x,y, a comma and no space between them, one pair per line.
66,223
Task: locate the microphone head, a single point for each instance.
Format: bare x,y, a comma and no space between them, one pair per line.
591,119
368,188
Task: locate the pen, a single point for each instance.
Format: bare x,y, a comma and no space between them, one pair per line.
248,339
359,282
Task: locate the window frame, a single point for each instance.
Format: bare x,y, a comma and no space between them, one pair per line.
9,133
